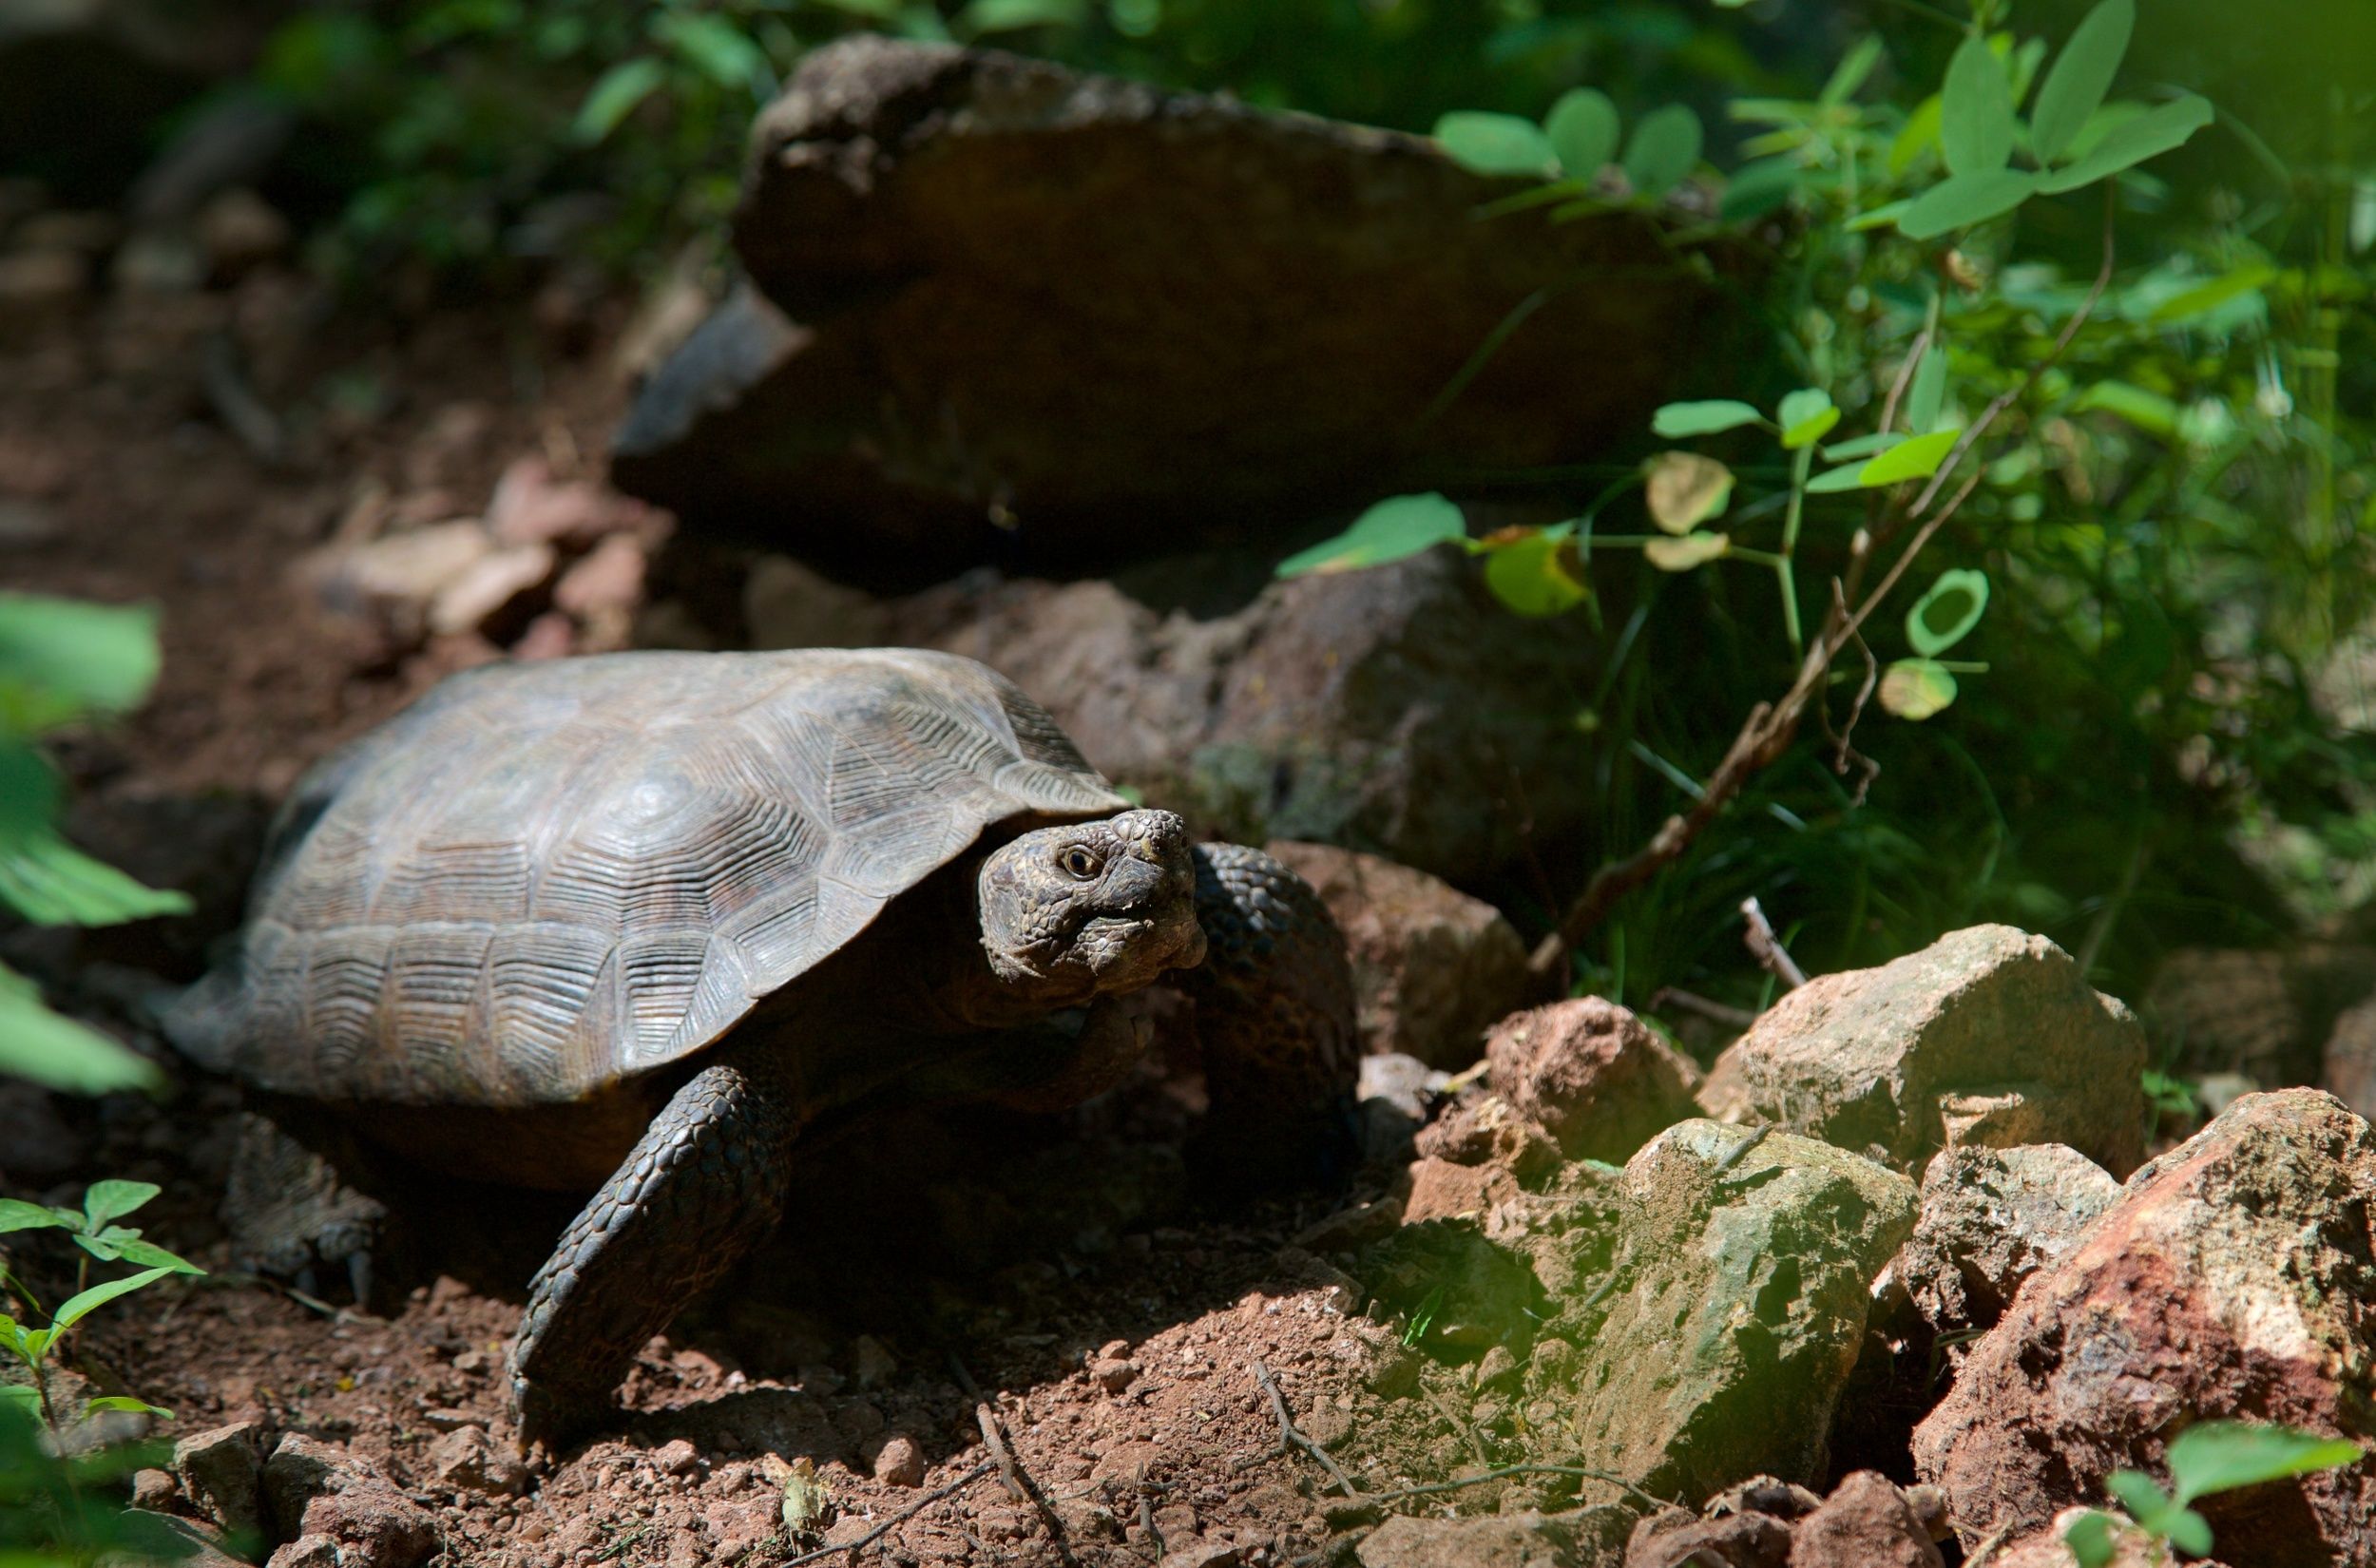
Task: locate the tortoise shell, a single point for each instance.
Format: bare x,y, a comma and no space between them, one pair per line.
542,878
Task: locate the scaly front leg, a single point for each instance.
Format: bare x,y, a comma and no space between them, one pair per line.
704,1184
1274,1016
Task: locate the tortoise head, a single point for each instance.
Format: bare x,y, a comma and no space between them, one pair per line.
1090,908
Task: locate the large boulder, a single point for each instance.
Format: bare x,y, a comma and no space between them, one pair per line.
1989,1037
1432,967
1716,1344
1396,710
1004,313
2235,1279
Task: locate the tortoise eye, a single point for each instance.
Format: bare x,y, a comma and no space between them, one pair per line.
1079,862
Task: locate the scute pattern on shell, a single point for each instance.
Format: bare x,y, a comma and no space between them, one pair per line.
542,877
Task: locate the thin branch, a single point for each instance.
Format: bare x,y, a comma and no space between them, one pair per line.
1017,1482
1289,1433
1768,731
855,1547
1690,1002
1757,932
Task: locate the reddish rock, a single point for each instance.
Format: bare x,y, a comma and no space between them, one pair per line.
1989,1037
1585,1538
2235,1278
2347,1066
1441,1189
1676,1538
493,594
532,507
899,1462
1866,1523
1593,1076
222,1469
1433,969
318,1489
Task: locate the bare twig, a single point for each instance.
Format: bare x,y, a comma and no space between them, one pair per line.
1690,1002
1290,1434
1453,1419
1012,1474
1844,753
1742,1150
855,1547
1768,731
1757,932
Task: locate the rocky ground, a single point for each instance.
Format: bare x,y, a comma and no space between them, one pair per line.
1899,1276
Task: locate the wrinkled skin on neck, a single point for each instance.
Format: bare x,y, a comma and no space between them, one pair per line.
1087,910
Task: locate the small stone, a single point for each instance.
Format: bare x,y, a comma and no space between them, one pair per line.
158,261
532,507
1592,1074
1585,1538
238,228
471,1362
1865,1523
395,577
870,1363
469,1461
307,1552
223,1468
31,280
1441,1189
448,1420
153,1490
677,1457
1113,1374
1197,1552
608,581
899,1462
485,593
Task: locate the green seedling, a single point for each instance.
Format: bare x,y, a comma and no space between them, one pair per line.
94,1229
2205,1460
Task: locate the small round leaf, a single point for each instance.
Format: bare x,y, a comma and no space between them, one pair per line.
1681,555
1664,148
1948,613
1494,144
1916,688
1583,128
1685,490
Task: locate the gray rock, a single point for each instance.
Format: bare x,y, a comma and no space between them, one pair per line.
1183,319
469,1461
222,1471
1396,710
1715,1348
2232,1280
1989,1037
1592,1074
316,1490
2262,1014
1584,1538
1433,969
1991,1220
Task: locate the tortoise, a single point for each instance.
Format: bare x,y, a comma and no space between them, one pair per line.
631,922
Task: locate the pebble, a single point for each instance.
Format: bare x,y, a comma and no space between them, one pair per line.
899,1462
677,1457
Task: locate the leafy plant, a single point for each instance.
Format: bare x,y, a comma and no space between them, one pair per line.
94,1228
2205,1460
64,664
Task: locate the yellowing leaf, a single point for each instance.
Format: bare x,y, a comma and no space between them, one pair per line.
1916,688
1529,573
1685,490
1681,555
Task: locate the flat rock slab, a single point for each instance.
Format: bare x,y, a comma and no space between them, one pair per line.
2234,1279
1005,313
1716,1350
1988,1038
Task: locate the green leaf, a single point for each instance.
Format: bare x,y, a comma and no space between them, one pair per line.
1684,490
1401,525
1920,133
148,1254
1850,72
126,1403
1927,397
2221,1456
1807,416
113,1199
1582,131
717,48
614,96
2187,1531
1665,148
2149,135
1976,111
1530,575
1681,555
1916,688
1948,613
20,1397
2148,410
2090,1540
1864,446
18,1215
2134,1491
1881,217
1756,189
1682,421
1013,15
2082,73
60,658
1495,144
1916,457
77,1307
30,794
48,1048
51,883
2208,297
1965,200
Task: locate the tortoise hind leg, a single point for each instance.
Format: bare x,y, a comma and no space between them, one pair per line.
294,1205
1275,1017
705,1182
